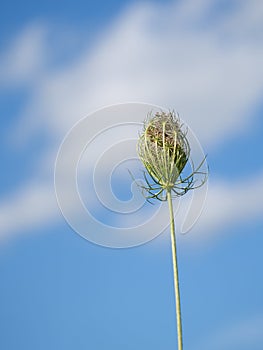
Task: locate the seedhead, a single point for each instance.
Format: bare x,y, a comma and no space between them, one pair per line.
164,150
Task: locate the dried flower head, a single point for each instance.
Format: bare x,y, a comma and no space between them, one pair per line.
164,150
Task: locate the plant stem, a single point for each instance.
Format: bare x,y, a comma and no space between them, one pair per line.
175,271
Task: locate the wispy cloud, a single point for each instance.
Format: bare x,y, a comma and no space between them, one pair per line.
226,204
23,61
172,55
242,335
27,208
145,57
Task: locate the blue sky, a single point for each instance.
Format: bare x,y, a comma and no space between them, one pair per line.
58,63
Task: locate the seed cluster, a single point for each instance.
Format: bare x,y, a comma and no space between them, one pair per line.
164,150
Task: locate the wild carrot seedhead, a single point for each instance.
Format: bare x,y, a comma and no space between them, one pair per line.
164,150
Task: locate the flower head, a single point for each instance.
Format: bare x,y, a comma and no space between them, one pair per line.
164,150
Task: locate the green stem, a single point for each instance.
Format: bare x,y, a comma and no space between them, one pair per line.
175,271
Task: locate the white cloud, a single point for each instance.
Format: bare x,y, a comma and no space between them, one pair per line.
161,55
171,55
245,334
29,207
23,61
226,205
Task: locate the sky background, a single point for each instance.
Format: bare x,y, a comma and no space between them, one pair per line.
60,61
